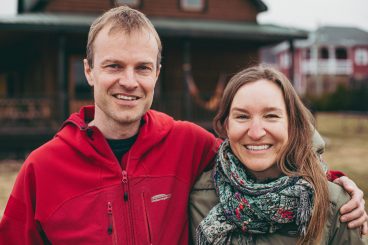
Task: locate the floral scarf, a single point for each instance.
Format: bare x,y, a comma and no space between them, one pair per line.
248,208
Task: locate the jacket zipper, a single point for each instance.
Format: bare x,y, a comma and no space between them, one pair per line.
110,225
109,216
128,210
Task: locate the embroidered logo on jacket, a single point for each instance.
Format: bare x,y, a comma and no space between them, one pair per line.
160,197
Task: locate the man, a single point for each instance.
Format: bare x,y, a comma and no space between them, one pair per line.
115,173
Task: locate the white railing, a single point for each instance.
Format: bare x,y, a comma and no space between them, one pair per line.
327,67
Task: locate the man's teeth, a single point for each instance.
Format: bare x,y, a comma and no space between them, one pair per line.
257,147
124,97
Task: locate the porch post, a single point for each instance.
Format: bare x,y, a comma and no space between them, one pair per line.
292,61
187,96
62,102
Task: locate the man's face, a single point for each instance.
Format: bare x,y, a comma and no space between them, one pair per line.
123,76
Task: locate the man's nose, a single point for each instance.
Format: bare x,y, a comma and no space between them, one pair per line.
256,129
128,79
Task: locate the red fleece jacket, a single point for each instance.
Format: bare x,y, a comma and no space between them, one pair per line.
72,190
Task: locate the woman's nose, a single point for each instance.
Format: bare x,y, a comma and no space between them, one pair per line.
256,130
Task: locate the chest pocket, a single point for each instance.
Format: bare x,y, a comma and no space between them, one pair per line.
160,209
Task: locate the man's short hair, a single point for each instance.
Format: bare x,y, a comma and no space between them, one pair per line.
123,19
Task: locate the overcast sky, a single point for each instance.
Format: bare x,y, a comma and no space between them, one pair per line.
309,14
8,7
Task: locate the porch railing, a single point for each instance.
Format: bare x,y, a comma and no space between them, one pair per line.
21,110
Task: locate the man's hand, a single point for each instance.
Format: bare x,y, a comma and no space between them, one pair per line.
353,211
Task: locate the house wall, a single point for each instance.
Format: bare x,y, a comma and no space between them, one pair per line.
235,10
209,59
360,69
316,75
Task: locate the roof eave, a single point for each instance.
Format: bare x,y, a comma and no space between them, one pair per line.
166,27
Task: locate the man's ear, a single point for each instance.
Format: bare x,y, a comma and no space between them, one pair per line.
88,73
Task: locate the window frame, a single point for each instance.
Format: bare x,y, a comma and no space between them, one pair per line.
361,56
346,53
323,50
183,5
137,3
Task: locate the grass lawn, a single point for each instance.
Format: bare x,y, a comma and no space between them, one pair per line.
346,150
8,172
346,139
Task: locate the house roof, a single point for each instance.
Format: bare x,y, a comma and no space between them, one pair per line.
261,7
335,35
339,35
72,23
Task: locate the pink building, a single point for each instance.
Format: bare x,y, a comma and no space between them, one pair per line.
329,57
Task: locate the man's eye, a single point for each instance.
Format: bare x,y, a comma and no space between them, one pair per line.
144,68
114,66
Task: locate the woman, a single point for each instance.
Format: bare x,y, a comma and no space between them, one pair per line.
271,185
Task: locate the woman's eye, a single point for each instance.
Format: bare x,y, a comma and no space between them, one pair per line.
242,116
272,116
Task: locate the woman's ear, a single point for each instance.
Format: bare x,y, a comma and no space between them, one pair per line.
226,127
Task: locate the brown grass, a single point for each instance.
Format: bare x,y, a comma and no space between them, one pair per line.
346,139
8,172
347,150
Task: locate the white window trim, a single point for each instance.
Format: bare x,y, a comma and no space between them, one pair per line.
361,56
184,5
130,3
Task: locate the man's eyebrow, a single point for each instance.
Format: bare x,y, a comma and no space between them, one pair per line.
146,63
109,61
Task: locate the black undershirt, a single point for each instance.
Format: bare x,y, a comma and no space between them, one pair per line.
121,146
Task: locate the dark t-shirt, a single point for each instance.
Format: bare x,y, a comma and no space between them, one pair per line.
120,147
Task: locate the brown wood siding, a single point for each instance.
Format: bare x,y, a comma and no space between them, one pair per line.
209,58
83,6
234,10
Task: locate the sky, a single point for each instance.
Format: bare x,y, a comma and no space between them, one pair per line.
8,7
309,14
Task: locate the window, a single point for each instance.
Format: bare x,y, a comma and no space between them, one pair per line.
307,53
285,60
361,56
3,85
193,5
131,3
323,53
341,53
78,85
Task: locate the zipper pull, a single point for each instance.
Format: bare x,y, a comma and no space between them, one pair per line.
109,213
125,181
125,177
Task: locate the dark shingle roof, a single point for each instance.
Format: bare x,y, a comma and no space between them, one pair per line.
165,27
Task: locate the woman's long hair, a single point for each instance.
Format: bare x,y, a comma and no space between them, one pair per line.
298,157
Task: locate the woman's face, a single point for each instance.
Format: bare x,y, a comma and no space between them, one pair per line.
257,127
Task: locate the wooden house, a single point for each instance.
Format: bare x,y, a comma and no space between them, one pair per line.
42,47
